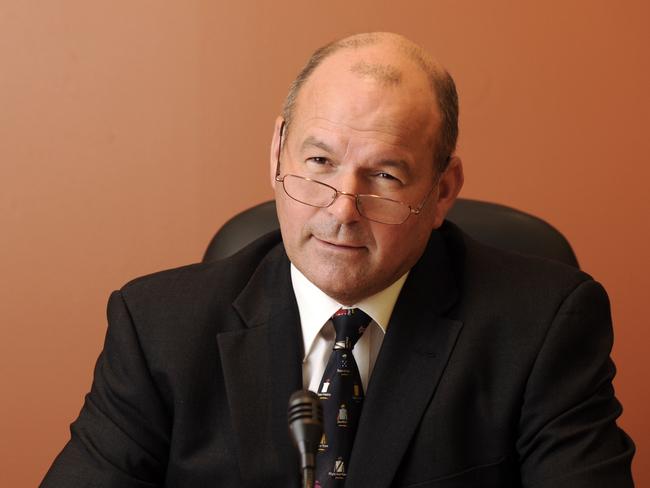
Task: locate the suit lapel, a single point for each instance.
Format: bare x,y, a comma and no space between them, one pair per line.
412,359
262,368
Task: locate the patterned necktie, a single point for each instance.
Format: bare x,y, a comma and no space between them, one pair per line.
341,394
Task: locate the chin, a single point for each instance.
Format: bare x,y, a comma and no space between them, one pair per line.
346,292
331,283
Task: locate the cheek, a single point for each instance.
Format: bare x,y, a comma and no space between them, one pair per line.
403,244
292,216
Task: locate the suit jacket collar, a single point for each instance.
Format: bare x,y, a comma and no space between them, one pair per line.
261,357
411,362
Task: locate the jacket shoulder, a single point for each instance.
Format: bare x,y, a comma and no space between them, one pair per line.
216,281
490,268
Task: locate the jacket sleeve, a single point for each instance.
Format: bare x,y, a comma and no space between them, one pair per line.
121,437
568,435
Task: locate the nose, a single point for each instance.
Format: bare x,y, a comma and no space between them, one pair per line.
344,207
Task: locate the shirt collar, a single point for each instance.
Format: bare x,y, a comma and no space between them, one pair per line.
316,307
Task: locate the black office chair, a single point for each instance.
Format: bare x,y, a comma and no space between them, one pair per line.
497,225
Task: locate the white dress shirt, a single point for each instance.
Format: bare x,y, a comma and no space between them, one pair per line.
316,309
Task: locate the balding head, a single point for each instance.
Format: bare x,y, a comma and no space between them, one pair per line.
357,182
388,67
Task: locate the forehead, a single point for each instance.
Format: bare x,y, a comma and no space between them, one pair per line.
369,93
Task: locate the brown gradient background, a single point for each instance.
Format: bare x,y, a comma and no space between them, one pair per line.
130,130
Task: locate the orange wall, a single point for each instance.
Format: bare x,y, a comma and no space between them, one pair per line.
131,130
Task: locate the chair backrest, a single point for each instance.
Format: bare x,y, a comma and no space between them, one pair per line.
493,224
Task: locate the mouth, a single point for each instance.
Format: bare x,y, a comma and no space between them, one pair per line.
339,246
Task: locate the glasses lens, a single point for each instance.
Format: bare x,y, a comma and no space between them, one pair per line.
382,209
308,192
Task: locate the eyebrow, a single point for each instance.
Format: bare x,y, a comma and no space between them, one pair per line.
395,163
312,141
398,164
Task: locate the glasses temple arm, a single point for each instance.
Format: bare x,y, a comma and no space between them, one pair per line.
277,164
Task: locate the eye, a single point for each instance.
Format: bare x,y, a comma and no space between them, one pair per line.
319,160
387,177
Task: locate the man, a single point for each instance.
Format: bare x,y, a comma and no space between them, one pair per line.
479,367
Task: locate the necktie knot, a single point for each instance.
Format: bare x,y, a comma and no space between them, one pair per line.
349,324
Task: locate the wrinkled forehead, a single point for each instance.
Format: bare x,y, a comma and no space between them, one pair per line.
370,89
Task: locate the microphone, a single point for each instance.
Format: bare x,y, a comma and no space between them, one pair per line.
306,426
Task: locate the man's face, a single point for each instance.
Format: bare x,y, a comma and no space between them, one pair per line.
360,134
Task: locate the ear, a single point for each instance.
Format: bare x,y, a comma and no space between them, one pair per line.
275,148
449,185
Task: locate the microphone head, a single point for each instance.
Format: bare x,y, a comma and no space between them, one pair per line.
306,423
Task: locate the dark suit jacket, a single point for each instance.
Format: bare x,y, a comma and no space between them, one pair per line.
494,372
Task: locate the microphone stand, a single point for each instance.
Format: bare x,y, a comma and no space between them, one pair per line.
308,477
